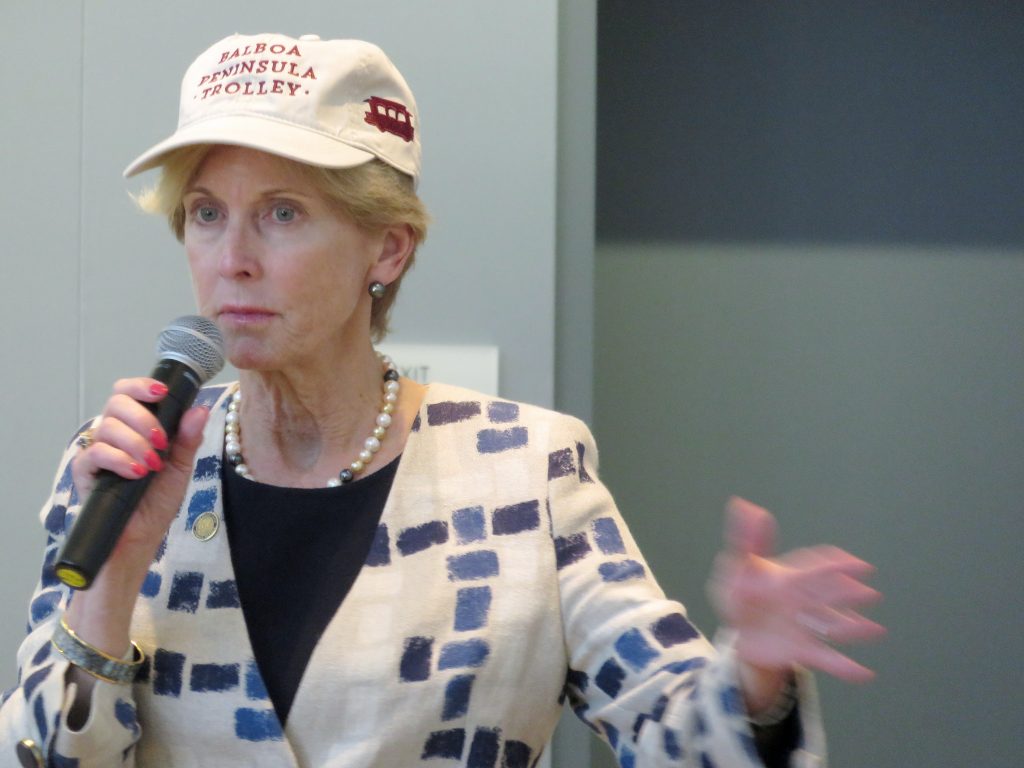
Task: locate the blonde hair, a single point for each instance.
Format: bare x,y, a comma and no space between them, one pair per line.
374,195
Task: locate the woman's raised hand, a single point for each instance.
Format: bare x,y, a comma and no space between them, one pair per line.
130,442
790,609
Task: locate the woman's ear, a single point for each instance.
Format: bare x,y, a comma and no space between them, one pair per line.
397,246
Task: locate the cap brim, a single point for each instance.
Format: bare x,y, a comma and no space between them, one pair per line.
256,132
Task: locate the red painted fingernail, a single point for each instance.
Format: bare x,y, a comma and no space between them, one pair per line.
153,461
138,469
158,438
158,388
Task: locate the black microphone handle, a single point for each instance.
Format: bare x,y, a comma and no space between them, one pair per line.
113,499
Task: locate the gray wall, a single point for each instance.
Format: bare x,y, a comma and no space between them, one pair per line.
87,281
809,276
871,398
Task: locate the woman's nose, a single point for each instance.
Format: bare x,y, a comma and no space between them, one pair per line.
239,257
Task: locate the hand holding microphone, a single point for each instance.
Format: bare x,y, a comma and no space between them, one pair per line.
134,441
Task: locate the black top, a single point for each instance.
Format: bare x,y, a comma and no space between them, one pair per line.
296,553
775,743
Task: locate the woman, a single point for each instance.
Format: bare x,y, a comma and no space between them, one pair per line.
338,567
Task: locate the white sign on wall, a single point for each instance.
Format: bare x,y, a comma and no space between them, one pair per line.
470,366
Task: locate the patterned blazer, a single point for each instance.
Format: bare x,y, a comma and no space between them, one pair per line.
502,582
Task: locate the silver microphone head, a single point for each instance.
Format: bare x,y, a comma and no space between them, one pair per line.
194,341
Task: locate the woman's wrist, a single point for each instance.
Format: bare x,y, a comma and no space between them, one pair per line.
765,691
101,616
781,709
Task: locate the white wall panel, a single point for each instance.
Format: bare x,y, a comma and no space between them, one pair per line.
40,77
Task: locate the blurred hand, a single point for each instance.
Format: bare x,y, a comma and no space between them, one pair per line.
791,609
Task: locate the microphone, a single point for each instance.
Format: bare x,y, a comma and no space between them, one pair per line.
190,352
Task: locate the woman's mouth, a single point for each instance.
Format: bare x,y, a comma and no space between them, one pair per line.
243,314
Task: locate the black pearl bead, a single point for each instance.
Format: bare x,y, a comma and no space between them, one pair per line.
346,475
391,375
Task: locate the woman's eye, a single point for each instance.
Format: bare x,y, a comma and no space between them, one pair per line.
284,213
206,213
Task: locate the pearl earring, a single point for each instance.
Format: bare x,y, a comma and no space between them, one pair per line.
377,289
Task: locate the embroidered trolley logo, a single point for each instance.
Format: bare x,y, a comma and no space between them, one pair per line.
389,117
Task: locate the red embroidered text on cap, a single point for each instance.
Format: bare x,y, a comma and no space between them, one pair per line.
254,67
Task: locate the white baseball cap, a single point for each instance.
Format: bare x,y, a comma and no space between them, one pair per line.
331,103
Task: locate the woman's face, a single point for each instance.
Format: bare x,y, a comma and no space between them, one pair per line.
282,272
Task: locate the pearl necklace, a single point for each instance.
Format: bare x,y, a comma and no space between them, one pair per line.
233,431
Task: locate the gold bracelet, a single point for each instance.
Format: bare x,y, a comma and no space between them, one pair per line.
92,660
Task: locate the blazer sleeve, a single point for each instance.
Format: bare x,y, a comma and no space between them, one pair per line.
36,709
641,675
